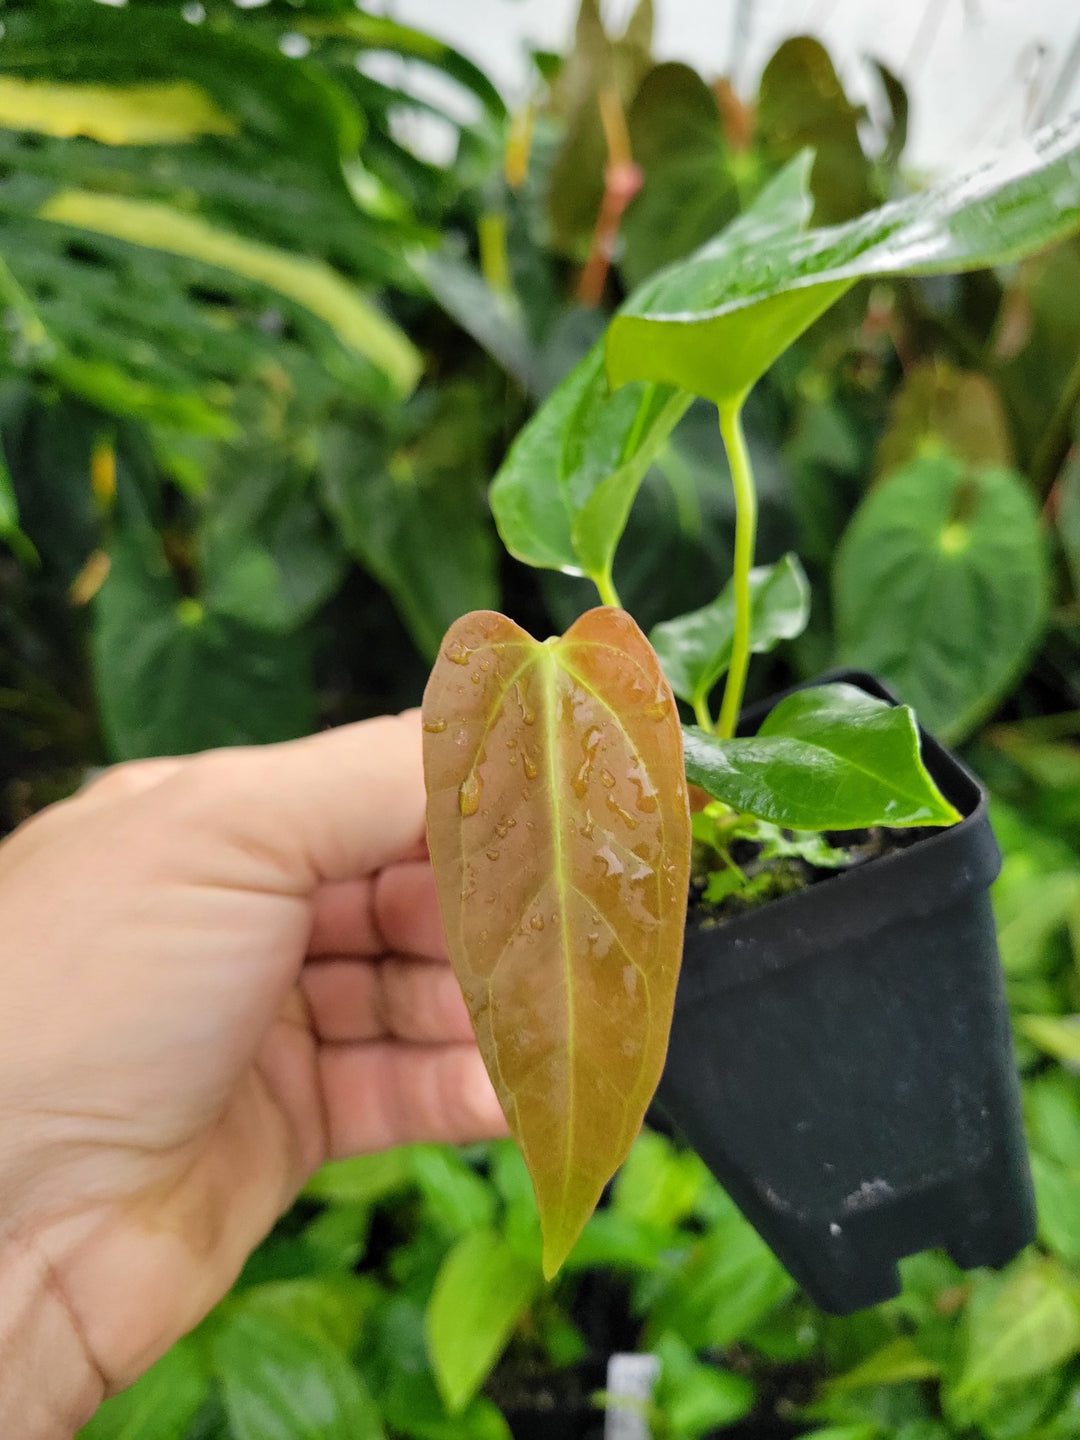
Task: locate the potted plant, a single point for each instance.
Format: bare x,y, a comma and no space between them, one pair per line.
840,1056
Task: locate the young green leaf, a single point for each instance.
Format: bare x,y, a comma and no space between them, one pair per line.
695,649
715,322
563,494
941,587
559,831
827,758
481,1290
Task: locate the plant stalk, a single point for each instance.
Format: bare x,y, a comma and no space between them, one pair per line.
742,479
606,586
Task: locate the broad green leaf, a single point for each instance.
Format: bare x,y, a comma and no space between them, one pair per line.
560,837
310,283
329,1309
938,406
899,1361
689,190
280,1382
940,587
695,649
173,677
1059,1037
482,1289
1038,908
1057,1202
828,758
694,1398
115,115
160,1405
714,323
415,519
1052,1114
363,1179
728,1283
659,1184
458,1200
1030,1326
563,494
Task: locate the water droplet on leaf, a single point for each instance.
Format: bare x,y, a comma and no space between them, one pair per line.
469,794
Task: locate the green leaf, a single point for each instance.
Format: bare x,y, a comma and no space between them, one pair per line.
1057,1202
115,115
1068,517
696,1399
363,1179
695,649
174,677
416,520
160,1405
310,283
1057,1037
280,1382
1052,1113
828,758
658,1184
940,587
728,1283
563,494
1030,1326
899,1361
481,1291
457,1199
715,322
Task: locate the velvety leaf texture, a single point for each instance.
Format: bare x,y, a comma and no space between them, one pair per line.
715,322
828,758
559,831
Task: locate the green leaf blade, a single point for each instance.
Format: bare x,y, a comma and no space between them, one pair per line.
940,586
716,321
482,1289
828,758
695,649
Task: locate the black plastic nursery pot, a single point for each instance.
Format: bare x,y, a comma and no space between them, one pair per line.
841,1059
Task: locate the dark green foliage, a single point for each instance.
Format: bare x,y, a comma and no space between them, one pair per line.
233,508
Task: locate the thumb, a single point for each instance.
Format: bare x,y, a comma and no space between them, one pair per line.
290,817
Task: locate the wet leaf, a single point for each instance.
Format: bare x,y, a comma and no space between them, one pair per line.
714,327
828,758
940,587
562,496
559,832
695,649
481,1290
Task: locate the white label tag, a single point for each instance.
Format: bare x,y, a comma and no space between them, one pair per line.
632,1377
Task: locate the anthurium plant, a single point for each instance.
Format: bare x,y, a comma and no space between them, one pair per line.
557,772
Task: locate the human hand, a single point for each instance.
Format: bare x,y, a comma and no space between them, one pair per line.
217,973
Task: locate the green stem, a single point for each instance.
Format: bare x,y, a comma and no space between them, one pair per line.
606,586
701,714
742,478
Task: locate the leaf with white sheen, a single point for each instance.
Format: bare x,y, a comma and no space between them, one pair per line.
563,494
695,649
828,758
714,323
559,832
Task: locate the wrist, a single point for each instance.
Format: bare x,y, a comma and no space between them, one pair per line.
49,1386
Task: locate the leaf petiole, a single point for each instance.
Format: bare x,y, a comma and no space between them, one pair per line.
742,479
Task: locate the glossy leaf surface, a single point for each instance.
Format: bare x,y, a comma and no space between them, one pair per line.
481,1289
695,649
828,758
714,323
559,831
940,587
563,494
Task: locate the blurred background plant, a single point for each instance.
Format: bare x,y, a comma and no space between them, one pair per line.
261,354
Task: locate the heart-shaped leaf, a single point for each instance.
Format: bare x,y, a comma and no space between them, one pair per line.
941,587
563,494
714,323
695,649
560,836
828,758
